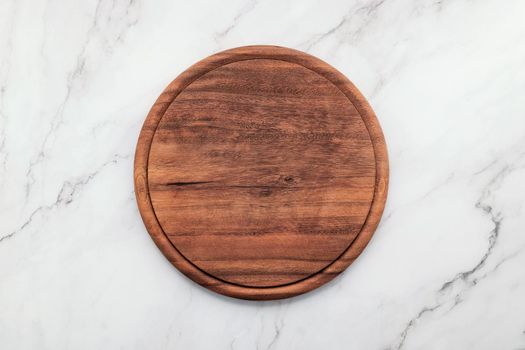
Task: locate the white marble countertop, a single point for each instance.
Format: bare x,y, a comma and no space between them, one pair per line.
446,267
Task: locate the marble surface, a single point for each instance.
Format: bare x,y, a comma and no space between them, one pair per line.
445,269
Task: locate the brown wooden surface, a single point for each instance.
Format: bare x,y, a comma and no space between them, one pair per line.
261,172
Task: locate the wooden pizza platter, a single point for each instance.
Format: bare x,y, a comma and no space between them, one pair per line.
261,172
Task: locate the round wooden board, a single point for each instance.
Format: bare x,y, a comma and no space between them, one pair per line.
261,172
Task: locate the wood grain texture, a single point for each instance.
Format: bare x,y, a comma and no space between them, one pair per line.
261,172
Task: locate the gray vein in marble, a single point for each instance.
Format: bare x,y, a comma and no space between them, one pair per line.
247,8
278,327
388,215
320,37
127,13
58,118
467,278
412,322
232,342
65,196
73,78
368,10
493,237
3,133
5,68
